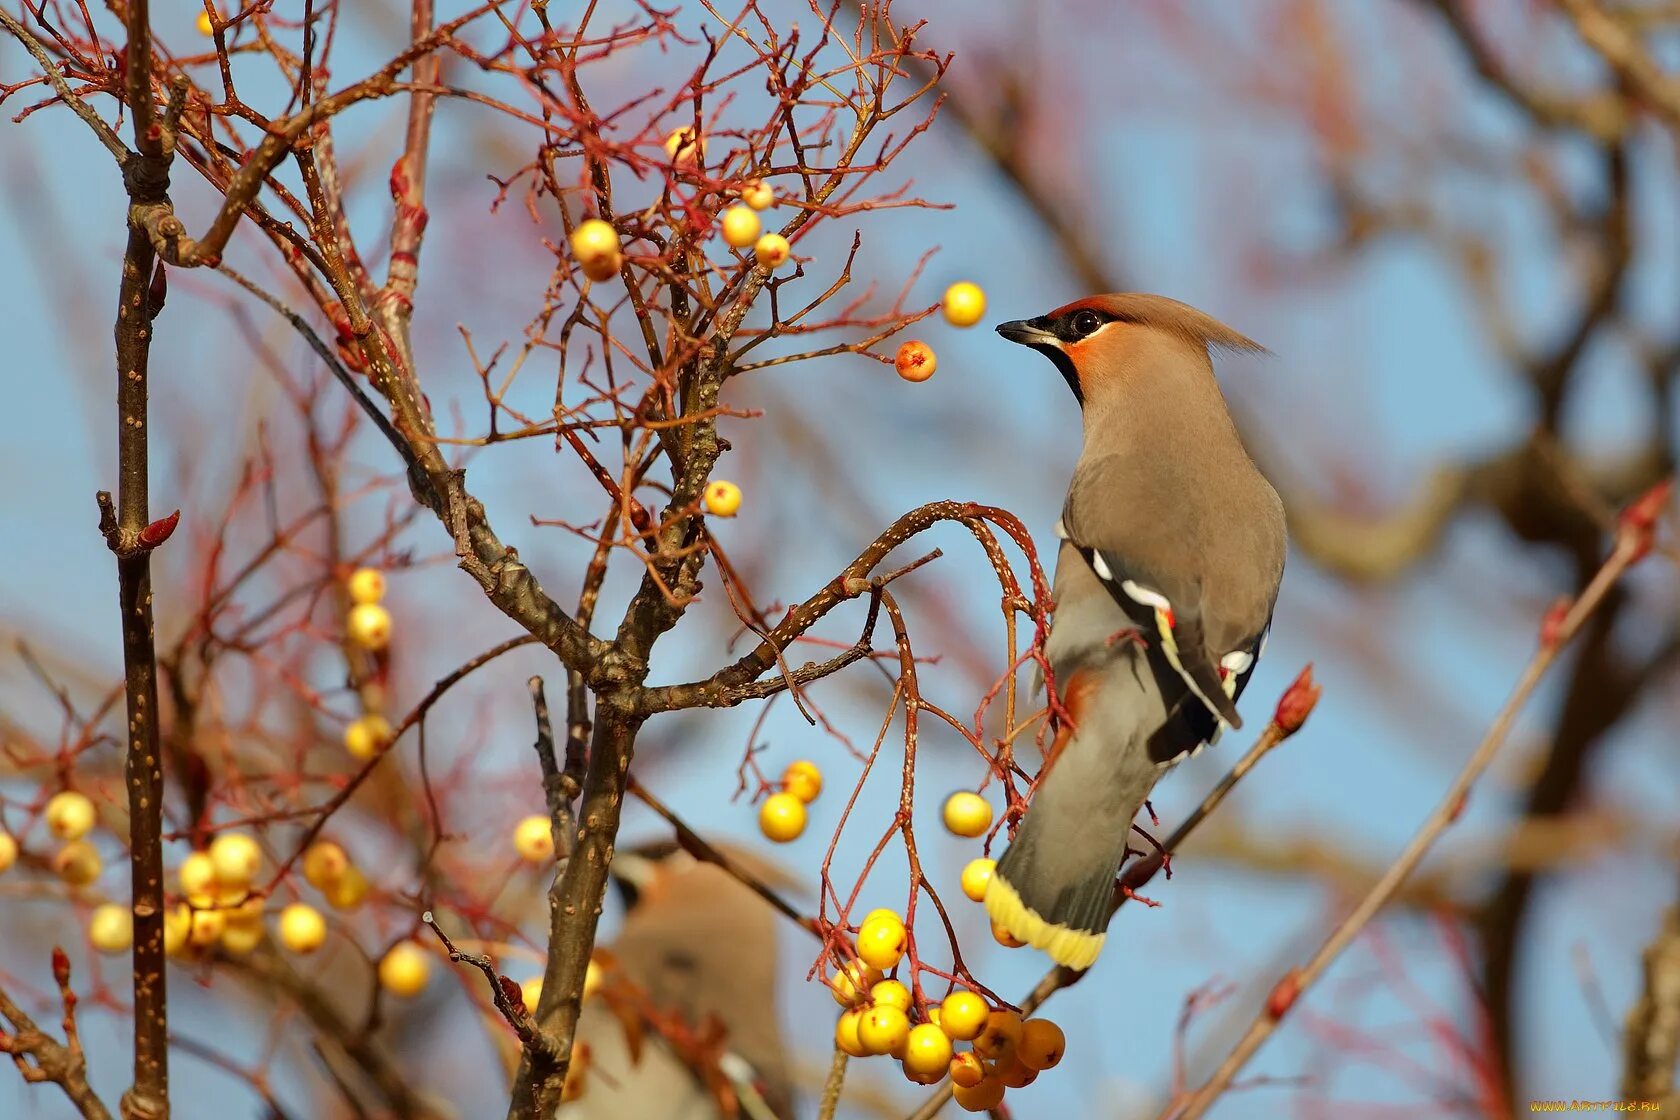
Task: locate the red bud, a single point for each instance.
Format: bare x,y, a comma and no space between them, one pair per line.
61,966
1639,520
1297,703
1284,994
1459,807
1551,626
510,991
158,531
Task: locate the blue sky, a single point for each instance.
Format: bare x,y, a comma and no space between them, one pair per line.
1378,371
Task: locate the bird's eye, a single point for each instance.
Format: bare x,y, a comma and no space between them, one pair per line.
1084,322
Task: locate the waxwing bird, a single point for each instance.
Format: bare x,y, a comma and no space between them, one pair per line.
702,947
1172,551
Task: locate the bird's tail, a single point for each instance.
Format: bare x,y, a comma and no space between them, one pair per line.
1053,888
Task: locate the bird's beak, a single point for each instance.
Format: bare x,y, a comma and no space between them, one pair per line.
1029,332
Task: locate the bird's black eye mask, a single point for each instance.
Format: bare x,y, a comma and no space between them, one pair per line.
1043,334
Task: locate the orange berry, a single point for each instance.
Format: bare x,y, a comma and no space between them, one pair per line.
966,1070
205,27
803,780
967,814
8,850
1003,937
758,194
984,1097
962,1016
1042,1044
1000,1036
1014,1073
782,817
915,361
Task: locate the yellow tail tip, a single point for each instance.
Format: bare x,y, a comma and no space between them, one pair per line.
1071,948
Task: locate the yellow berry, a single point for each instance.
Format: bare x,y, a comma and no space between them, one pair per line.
70,815
530,994
892,994
1000,1036
369,626
111,928
302,928
984,1097
367,736
723,499
881,942
880,912
1042,1044
803,780
1003,937
927,1050
405,969
962,1016
177,924
975,875
367,585
846,1033
205,27
740,226
966,1070
8,850
241,938
883,1029
197,875
772,250
599,269
594,240
593,978
964,304
782,817
349,891
915,361
533,839
207,927
324,864
78,863
246,911
758,194
684,147
236,859
967,814
852,981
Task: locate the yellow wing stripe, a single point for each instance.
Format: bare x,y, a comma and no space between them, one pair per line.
1072,948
